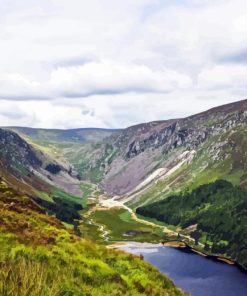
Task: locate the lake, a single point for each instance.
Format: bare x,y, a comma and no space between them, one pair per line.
195,274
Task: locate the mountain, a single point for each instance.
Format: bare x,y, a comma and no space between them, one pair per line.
144,162
79,135
33,173
31,164
141,163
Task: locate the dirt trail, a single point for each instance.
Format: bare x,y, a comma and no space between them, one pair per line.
111,203
105,203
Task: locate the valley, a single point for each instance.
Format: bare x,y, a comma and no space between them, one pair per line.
180,182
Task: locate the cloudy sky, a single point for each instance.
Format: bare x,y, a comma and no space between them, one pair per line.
114,63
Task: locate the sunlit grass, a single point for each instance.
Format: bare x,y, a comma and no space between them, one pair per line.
40,257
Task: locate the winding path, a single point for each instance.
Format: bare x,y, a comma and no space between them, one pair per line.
108,203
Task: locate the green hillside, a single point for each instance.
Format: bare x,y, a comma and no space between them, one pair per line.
215,215
40,257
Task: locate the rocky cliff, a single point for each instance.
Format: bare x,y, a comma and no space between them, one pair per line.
16,154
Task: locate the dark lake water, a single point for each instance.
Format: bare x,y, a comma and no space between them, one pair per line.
194,273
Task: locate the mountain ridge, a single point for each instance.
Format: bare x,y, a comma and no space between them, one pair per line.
232,106
188,133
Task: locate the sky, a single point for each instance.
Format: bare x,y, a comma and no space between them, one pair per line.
113,63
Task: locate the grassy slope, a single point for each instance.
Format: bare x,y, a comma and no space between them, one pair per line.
39,257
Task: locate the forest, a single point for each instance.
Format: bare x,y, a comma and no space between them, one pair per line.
218,211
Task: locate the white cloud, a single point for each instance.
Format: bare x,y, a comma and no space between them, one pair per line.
109,78
224,76
93,78
114,63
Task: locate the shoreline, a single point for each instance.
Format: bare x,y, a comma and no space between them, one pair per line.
118,245
177,245
225,260
214,257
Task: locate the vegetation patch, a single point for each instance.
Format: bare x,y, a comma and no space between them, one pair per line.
122,226
59,193
64,210
53,168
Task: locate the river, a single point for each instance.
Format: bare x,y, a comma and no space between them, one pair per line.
195,274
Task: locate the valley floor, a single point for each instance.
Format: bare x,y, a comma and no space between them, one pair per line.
110,221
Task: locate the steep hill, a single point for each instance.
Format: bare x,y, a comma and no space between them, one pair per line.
30,163
151,159
17,155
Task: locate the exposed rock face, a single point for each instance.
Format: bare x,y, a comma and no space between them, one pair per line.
169,138
180,134
15,153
